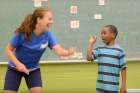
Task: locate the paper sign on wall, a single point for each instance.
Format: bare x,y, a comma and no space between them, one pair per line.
97,16
75,24
73,9
44,0
102,2
37,3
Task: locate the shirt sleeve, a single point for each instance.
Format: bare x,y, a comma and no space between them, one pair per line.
123,63
52,41
95,53
16,40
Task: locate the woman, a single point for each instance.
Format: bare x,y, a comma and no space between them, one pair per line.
26,48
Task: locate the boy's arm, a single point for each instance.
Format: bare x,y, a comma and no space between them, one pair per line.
89,52
91,42
123,86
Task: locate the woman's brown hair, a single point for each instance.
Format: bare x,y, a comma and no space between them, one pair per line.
28,25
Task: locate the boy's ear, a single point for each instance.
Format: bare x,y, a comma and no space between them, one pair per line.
113,35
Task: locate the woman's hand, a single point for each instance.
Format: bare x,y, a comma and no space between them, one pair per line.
71,51
21,68
62,52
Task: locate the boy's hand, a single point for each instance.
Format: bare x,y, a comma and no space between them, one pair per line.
21,68
123,90
92,40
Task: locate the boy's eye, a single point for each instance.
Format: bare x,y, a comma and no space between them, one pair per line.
103,33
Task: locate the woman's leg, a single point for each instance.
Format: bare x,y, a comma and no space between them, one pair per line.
9,91
34,81
12,80
36,90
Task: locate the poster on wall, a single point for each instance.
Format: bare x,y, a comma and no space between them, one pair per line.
98,16
73,9
44,0
102,2
37,3
74,24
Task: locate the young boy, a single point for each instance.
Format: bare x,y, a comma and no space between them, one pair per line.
111,61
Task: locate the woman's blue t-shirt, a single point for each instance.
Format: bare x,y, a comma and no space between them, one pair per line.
30,52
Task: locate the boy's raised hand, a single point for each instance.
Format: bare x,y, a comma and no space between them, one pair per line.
92,40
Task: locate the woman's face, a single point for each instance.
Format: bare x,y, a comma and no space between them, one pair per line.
106,35
46,21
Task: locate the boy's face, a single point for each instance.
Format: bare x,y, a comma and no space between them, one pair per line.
106,35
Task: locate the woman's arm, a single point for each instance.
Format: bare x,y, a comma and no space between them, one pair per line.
19,66
60,51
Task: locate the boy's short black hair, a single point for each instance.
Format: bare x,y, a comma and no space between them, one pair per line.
113,29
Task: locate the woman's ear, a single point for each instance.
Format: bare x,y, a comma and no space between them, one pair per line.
38,20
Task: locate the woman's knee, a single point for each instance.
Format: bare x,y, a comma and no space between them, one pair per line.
9,91
36,90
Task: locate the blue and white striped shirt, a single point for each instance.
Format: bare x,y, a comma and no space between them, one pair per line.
111,60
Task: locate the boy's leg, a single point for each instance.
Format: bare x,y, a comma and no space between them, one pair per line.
34,81
12,80
97,91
